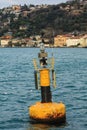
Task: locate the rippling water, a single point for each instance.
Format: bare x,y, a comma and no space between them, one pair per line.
17,90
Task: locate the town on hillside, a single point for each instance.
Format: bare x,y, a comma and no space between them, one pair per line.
21,26
65,40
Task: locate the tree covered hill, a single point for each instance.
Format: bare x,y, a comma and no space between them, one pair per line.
62,18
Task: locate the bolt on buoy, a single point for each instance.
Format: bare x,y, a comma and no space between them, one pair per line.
46,111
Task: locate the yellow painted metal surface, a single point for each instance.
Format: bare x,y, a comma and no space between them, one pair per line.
44,77
47,111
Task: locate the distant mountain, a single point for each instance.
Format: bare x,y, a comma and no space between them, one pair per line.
48,19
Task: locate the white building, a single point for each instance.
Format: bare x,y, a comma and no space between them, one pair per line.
4,42
85,41
73,41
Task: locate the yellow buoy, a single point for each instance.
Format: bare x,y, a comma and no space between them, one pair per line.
48,112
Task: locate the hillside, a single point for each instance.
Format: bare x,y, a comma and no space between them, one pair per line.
48,19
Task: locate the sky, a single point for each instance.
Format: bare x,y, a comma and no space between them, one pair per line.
7,3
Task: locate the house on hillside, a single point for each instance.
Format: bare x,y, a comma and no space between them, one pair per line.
25,13
4,42
60,40
7,35
84,44
16,7
74,41
23,27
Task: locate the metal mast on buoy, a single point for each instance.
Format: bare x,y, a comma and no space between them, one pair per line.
46,110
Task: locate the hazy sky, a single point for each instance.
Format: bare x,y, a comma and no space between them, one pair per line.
6,3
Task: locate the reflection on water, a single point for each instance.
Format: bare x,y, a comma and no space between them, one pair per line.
43,126
38,127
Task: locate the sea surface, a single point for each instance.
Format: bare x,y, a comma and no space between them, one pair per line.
17,89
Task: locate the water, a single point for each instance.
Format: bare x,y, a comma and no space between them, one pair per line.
17,90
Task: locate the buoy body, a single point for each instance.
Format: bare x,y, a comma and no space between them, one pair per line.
48,112
45,85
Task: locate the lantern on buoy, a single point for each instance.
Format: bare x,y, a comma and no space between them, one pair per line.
46,111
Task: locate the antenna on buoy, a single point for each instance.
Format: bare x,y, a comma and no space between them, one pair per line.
46,110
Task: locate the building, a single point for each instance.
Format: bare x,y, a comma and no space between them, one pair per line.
25,13
84,43
70,41
7,35
74,41
60,40
16,7
23,27
4,42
